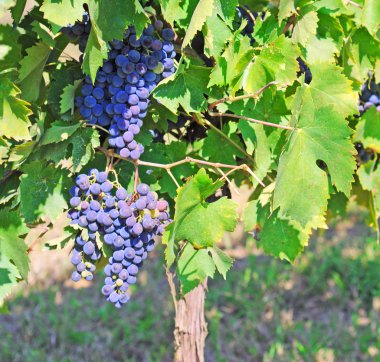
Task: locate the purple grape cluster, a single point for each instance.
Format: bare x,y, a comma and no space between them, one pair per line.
79,32
369,96
119,98
127,223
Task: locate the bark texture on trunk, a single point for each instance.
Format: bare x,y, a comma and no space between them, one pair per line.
190,330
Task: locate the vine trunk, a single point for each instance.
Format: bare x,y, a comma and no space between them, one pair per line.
190,330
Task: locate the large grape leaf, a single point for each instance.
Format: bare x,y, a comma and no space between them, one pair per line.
216,33
67,97
42,191
14,112
9,275
59,131
195,265
233,61
10,48
202,11
122,15
280,238
186,88
360,53
62,13
31,68
276,62
193,212
60,79
215,142
368,130
369,177
79,145
173,10
371,16
95,52
321,133
11,246
306,24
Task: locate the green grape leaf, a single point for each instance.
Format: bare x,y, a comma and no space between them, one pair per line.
121,14
31,68
276,62
371,16
95,52
193,212
42,191
14,112
168,240
67,74
186,88
285,9
280,238
10,47
305,27
17,10
43,33
370,180
79,146
330,86
172,10
11,246
194,266
20,153
9,275
58,132
232,62
68,95
360,53
368,130
202,11
8,189
63,12
216,33
215,142
321,133
222,261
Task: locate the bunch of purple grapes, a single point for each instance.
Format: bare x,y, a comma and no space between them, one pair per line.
118,100
127,223
369,96
79,32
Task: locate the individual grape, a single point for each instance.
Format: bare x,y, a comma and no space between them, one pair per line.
89,248
95,189
75,201
75,276
168,34
121,193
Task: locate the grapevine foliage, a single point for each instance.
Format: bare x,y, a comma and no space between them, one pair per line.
107,111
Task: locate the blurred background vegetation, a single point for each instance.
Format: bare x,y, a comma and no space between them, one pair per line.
326,307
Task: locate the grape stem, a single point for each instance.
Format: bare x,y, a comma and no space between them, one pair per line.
136,178
173,178
204,121
353,3
169,166
225,176
238,98
95,126
264,123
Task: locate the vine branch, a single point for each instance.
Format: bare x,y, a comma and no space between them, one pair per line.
169,166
